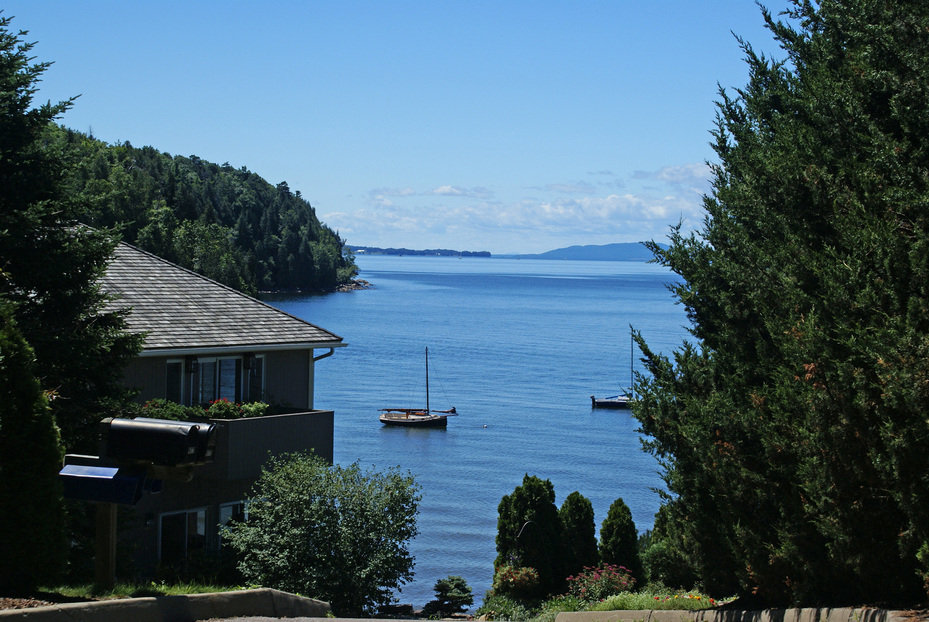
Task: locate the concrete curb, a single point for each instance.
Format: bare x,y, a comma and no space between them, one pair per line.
189,608
767,615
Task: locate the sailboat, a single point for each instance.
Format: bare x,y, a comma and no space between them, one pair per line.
417,417
623,400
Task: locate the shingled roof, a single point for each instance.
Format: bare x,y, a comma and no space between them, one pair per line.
180,310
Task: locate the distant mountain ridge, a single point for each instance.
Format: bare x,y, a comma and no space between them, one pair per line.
621,251
429,252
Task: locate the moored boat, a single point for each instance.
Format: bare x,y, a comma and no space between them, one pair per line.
623,400
614,401
417,417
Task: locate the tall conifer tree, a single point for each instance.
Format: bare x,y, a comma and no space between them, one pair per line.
794,430
50,263
32,536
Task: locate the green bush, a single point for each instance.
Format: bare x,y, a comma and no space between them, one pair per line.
32,520
502,607
619,542
665,564
642,601
517,582
224,409
334,533
165,409
218,409
579,533
254,409
552,607
529,533
452,595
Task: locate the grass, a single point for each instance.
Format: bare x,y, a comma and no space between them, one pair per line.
132,590
690,601
504,608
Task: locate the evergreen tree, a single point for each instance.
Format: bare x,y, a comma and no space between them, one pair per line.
619,541
227,224
793,431
580,539
529,532
32,543
50,263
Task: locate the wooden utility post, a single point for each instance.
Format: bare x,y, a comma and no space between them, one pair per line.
105,546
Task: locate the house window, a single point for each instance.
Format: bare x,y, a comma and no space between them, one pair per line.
255,379
207,388
180,534
229,379
236,379
174,382
229,512
236,511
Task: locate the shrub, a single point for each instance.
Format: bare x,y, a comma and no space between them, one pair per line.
550,609
501,607
595,584
452,595
217,409
166,409
224,409
529,532
665,564
519,582
579,533
619,542
333,533
32,520
254,409
640,601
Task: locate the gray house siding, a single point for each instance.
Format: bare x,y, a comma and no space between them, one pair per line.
243,446
196,329
288,377
291,382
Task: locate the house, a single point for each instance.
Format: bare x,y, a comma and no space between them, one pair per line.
203,342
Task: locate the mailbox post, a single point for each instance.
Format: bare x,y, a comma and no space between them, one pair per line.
136,455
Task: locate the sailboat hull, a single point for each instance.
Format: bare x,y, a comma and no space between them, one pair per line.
415,419
615,401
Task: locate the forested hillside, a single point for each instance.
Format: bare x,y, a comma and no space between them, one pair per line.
226,223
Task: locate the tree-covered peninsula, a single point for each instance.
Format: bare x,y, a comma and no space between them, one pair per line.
226,223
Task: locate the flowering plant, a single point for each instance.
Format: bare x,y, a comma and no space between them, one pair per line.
515,581
595,584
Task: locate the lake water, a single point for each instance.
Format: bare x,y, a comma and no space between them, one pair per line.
517,347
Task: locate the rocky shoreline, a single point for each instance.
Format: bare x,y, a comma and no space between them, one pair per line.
353,285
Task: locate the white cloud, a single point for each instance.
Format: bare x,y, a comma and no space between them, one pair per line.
455,191
473,218
578,187
694,177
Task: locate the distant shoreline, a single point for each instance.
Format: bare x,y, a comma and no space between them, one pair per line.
434,252
621,251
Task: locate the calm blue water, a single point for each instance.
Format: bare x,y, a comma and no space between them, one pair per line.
517,346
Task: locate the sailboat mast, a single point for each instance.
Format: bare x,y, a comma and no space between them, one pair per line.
427,381
631,364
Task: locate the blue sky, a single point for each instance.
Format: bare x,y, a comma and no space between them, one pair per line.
516,126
